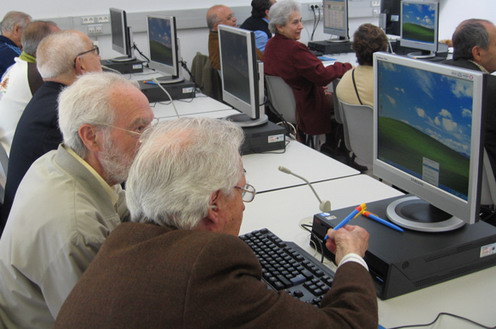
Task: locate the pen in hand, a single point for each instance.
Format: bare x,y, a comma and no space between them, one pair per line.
345,221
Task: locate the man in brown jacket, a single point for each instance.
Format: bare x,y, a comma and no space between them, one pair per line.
179,263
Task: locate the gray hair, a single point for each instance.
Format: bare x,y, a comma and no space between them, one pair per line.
88,101
34,33
280,11
56,53
468,34
178,166
13,18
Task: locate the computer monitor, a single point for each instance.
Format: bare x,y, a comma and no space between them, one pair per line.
389,19
242,75
164,48
420,26
122,39
336,19
428,140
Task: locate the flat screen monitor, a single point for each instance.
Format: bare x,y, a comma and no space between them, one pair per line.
420,26
242,75
428,140
163,47
336,19
121,35
389,19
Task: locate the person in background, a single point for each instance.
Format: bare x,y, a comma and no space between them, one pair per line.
357,85
291,60
12,25
21,80
259,22
474,43
38,130
180,264
217,15
71,198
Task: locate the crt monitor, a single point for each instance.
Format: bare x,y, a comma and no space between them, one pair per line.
428,140
420,26
163,48
389,19
336,19
242,75
122,41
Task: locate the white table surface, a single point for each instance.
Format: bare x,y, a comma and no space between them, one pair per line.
282,212
262,168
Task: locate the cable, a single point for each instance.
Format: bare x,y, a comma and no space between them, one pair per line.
141,53
165,91
437,318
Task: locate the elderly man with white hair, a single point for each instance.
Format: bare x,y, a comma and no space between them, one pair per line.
11,26
61,58
180,264
70,199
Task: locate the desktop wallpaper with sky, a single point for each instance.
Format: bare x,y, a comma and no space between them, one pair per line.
425,116
159,31
419,22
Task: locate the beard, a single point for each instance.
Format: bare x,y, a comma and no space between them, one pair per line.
115,164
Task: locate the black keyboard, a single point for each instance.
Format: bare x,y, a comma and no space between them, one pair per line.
287,267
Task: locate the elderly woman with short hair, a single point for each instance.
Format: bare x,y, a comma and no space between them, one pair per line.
284,56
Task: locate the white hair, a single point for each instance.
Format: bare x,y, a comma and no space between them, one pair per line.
88,101
177,168
56,53
13,18
280,12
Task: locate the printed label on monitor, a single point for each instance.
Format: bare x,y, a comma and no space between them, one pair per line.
488,250
430,171
275,138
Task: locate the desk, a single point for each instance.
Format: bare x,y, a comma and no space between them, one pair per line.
191,107
262,168
282,211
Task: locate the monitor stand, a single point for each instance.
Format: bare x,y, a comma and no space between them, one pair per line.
123,59
169,79
243,120
416,214
422,54
339,40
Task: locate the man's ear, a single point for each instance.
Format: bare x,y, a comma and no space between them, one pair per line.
476,53
90,138
214,220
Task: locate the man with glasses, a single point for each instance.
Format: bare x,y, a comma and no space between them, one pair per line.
179,263
71,198
61,58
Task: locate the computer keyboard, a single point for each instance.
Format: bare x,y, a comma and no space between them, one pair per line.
287,267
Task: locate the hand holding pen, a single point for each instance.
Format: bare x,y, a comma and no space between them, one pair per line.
352,215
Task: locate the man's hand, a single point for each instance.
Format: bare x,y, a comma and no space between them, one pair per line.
349,239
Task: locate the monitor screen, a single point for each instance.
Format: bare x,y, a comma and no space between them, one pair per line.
163,47
420,25
427,137
121,34
241,73
336,18
390,10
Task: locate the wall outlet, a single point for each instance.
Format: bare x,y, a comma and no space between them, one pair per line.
314,6
103,19
88,20
95,29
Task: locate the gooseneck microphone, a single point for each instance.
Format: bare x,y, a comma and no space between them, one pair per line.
324,206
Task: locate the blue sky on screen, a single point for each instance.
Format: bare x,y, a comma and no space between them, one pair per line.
420,14
438,105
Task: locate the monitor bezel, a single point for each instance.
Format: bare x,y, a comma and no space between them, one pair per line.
342,33
417,44
251,109
120,44
174,69
467,210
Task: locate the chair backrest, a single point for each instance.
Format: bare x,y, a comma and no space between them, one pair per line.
358,125
281,97
206,77
488,189
338,112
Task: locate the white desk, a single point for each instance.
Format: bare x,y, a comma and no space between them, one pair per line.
262,168
283,210
189,107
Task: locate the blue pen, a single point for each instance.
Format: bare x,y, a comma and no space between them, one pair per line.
382,221
352,214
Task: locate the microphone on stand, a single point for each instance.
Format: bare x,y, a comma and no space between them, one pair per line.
324,206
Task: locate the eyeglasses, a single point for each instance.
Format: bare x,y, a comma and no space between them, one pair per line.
138,131
247,192
95,49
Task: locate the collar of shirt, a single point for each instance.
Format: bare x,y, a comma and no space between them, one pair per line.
27,57
482,68
111,190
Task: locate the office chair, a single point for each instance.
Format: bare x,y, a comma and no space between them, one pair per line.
4,161
358,125
488,189
206,77
341,133
281,98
